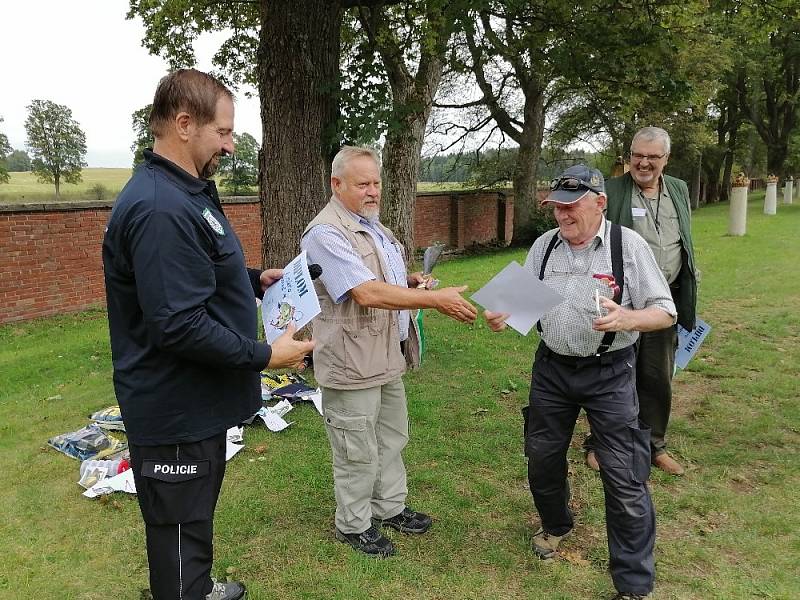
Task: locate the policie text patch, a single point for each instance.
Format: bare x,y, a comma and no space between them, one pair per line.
174,470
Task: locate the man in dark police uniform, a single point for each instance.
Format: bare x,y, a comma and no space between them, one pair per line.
183,325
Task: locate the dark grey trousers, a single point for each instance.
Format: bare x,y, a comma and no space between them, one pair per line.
655,362
605,388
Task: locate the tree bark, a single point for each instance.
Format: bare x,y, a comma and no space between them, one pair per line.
298,62
526,203
412,101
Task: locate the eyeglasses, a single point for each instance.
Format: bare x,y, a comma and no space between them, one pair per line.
567,183
650,157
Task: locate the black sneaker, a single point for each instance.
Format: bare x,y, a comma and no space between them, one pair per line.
371,542
231,590
628,596
408,521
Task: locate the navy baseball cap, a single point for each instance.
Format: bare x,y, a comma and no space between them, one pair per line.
574,183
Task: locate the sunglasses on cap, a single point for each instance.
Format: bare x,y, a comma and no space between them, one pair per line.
568,183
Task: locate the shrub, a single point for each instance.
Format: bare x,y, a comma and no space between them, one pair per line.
98,192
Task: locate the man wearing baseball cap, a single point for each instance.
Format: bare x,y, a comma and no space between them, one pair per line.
612,290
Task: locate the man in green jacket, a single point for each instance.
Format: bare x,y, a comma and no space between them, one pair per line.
656,206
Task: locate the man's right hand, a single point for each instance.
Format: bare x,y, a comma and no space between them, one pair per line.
496,320
449,302
287,352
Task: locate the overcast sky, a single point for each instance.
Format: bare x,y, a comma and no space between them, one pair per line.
87,56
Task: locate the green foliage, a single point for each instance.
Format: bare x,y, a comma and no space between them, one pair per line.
172,26
239,171
140,121
765,77
18,161
56,142
446,168
98,192
365,98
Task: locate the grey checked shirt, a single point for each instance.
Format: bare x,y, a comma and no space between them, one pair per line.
567,328
342,267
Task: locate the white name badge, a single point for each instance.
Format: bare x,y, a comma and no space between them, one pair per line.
638,213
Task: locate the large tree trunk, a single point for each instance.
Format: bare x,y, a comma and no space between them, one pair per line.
297,78
412,100
526,203
401,153
401,159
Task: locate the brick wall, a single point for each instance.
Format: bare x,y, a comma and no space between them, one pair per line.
463,218
50,259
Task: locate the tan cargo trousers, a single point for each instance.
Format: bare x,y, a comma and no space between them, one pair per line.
368,430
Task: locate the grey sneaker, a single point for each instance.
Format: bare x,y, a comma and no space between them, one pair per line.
545,544
231,590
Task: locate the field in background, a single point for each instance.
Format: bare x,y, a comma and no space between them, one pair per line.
728,530
25,188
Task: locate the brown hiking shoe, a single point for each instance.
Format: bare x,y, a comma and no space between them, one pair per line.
668,464
591,460
546,544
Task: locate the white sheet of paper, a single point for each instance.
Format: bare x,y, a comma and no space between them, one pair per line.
235,435
291,298
119,483
272,421
517,291
232,449
316,398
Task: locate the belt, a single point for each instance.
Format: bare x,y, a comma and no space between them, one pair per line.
605,358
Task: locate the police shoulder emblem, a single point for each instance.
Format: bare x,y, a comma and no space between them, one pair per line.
595,180
212,220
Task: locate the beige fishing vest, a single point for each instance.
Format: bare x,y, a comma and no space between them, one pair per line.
358,347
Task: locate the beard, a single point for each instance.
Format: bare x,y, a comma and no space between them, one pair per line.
371,214
210,168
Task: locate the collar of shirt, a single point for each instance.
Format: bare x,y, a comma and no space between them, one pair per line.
190,183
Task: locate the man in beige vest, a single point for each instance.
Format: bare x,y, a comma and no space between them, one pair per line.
364,338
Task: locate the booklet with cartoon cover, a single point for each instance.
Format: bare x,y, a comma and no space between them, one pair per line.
290,299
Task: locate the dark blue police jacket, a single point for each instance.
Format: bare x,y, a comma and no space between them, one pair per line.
181,309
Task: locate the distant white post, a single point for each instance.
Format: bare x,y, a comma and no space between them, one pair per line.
771,199
737,217
787,190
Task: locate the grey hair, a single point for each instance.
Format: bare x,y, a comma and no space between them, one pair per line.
651,134
348,153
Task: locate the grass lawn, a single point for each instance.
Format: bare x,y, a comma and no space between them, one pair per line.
728,529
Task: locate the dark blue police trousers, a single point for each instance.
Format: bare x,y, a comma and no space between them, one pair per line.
605,387
177,486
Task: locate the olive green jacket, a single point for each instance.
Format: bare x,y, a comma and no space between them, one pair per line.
619,190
